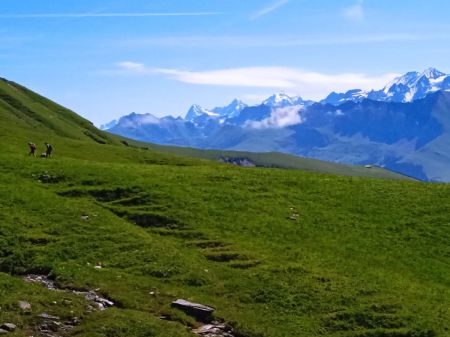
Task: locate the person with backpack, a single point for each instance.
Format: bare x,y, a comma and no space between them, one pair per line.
32,149
48,151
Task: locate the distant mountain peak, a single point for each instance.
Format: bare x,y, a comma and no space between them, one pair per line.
281,99
231,110
432,73
196,111
406,88
412,77
135,120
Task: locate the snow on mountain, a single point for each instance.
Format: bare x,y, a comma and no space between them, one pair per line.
135,120
355,95
197,111
406,88
231,110
281,100
415,85
410,138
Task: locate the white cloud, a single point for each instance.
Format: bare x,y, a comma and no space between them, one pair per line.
100,15
309,84
279,118
268,9
355,12
261,77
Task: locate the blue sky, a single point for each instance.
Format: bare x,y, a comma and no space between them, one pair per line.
105,59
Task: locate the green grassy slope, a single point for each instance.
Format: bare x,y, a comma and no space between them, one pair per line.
363,257
25,109
281,160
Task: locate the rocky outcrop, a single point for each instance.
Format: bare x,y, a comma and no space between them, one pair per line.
245,162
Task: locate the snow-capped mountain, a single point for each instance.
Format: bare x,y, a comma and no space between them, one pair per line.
407,88
197,111
231,110
404,127
414,85
281,100
354,95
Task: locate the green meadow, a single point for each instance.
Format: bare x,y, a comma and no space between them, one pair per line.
277,252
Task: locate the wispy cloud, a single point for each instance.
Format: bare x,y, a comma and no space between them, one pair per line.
355,12
313,85
269,9
132,66
270,41
101,15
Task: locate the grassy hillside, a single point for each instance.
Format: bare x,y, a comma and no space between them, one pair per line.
281,160
276,252
25,109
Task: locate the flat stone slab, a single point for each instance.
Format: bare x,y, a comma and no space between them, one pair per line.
199,311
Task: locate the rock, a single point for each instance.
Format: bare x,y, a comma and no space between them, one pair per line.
204,329
8,327
3,332
24,306
48,316
199,311
41,279
85,217
54,326
214,329
73,321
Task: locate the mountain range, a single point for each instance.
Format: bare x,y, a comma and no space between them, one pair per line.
405,126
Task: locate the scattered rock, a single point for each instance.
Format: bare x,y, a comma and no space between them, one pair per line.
8,326
48,316
100,303
52,326
24,306
199,311
215,329
85,217
48,178
3,332
294,215
41,279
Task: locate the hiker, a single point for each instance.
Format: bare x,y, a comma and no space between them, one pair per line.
48,151
32,149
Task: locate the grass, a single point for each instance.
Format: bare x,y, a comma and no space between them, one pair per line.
24,108
276,252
